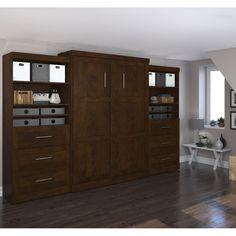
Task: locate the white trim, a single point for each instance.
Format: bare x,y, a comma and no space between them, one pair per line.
205,160
0,191
213,127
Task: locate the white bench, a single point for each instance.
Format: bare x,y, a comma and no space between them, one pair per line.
218,153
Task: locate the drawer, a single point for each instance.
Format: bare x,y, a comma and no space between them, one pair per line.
160,108
25,122
40,160
164,127
40,72
163,161
161,145
41,182
52,121
41,136
53,110
25,111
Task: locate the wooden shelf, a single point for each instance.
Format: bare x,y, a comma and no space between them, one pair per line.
41,116
163,112
156,87
38,82
40,105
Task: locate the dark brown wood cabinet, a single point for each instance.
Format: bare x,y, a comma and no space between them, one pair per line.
110,133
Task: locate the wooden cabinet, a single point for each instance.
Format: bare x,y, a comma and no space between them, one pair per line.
36,158
163,125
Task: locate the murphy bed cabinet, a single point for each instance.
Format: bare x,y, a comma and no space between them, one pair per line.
111,132
109,103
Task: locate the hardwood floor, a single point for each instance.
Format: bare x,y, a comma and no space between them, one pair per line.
195,196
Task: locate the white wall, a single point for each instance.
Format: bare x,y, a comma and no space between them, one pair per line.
54,49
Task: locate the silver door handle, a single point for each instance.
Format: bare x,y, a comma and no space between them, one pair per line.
105,79
123,80
43,180
43,136
43,158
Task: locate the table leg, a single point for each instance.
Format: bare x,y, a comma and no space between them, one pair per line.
192,152
217,156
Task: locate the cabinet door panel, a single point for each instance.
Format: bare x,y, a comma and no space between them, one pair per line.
128,79
127,117
127,155
91,160
93,78
92,118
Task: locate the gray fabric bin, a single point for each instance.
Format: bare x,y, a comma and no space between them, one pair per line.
25,122
53,110
25,111
40,72
52,121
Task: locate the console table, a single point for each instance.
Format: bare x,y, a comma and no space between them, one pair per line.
218,153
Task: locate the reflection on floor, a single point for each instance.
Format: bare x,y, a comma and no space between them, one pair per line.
195,196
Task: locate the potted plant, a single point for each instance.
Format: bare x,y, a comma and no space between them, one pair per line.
203,139
221,122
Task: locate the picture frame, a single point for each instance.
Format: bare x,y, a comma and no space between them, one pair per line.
232,98
233,120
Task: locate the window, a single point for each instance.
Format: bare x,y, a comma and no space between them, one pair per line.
215,94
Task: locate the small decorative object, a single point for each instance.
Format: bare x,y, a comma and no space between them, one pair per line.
55,98
209,144
153,99
232,98
232,120
23,97
165,98
221,122
219,144
223,141
203,139
213,123
41,98
200,144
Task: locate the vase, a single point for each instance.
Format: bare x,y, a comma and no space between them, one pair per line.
223,141
219,144
55,98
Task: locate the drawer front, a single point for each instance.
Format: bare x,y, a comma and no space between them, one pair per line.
25,111
52,121
53,110
25,122
40,160
41,136
40,72
40,183
164,127
161,145
160,108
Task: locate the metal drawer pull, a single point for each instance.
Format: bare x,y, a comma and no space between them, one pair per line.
43,180
123,81
165,127
43,158
165,143
43,136
105,79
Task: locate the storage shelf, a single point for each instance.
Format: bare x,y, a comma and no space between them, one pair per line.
38,82
40,105
163,112
163,87
40,116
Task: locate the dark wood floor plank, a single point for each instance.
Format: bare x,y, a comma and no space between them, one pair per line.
161,199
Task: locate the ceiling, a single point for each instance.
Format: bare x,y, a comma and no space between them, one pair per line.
174,33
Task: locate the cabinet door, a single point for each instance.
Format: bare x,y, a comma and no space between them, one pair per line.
92,78
127,117
127,155
128,79
91,160
91,118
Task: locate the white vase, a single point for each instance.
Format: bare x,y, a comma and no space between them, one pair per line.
55,98
219,144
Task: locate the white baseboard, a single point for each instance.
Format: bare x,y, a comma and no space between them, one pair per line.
205,160
0,191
